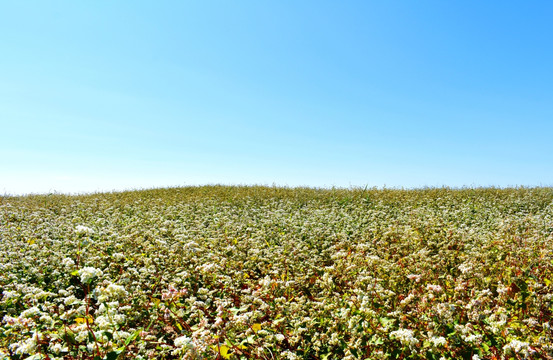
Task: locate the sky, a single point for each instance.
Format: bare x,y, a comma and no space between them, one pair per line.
117,95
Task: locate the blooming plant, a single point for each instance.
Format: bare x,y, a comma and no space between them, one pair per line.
276,273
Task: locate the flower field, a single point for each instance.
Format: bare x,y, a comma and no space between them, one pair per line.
222,272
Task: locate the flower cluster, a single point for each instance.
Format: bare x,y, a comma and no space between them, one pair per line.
88,273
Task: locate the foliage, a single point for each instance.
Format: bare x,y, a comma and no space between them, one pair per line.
278,273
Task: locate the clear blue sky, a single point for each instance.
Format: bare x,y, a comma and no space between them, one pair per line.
112,95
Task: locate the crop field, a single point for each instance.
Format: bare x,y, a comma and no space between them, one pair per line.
221,272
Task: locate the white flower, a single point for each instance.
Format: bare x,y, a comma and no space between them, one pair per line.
287,354
516,346
437,341
85,230
415,277
408,299
57,348
102,322
31,312
184,342
435,288
119,318
88,273
9,294
472,338
464,268
405,336
81,336
67,262
27,346
111,291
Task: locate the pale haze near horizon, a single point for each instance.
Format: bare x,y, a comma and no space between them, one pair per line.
126,95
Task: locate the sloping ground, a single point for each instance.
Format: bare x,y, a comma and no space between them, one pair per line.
274,273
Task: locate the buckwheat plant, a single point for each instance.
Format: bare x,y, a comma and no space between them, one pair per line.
221,272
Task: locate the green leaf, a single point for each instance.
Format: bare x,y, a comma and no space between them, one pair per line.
237,310
376,340
113,355
386,321
69,337
132,337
